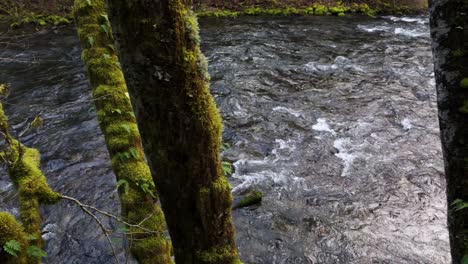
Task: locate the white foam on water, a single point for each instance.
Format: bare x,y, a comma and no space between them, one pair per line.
406,123
371,29
409,32
253,172
48,231
340,63
323,126
288,144
344,154
287,110
407,19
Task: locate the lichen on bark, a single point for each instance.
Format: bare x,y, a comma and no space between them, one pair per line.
138,199
168,83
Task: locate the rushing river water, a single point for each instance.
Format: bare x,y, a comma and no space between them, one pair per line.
333,119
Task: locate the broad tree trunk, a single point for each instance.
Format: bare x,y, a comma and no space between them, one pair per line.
117,121
449,30
168,83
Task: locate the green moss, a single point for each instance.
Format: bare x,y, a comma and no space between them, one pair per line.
23,168
320,10
464,83
26,175
464,108
10,229
251,198
219,255
39,20
459,53
115,116
338,10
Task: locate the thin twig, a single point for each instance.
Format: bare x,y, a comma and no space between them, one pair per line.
103,230
106,214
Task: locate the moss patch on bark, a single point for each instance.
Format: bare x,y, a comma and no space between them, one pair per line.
116,119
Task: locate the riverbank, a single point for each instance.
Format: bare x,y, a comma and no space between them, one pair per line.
40,13
214,8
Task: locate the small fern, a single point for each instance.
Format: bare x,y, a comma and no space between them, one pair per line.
227,167
35,251
458,205
12,247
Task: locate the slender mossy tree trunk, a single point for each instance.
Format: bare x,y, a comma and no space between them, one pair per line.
10,229
168,83
449,30
116,118
23,168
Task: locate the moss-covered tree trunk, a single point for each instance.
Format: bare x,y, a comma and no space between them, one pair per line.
181,128
23,168
449,29
116,118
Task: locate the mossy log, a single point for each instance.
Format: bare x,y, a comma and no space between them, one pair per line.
23,168
10,229
449,30
168,83
116,119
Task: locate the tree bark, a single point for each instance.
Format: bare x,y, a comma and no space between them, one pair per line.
449,30
117,121
168,83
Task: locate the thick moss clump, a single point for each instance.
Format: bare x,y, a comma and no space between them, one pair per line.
253,197
10,229
117,122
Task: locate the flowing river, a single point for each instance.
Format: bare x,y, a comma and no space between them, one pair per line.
334,119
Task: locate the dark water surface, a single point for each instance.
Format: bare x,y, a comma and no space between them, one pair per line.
333,119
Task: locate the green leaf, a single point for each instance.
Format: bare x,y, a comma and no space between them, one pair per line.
461,207
127,128
36,252
37,122
456,201
31,237
105,29
106,56
458,205
12,247
106,17
124,183
131,113
134,152
118,111
111,47
91,41
89,2
225,146
464,259
227,167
